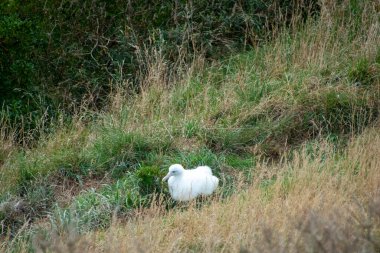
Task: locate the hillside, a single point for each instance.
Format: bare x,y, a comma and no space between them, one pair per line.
290,126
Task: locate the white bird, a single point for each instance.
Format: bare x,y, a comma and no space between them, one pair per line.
185,185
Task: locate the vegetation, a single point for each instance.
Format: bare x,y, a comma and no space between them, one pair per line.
290,126
320,201
60,55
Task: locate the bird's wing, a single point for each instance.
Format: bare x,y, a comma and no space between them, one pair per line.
203,169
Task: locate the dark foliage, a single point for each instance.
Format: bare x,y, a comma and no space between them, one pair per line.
58,54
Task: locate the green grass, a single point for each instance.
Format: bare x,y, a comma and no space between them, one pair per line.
95,208
305,87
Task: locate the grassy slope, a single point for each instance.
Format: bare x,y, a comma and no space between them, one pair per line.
321,201
318,83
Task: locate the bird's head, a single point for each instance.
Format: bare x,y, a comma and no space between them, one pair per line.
174,170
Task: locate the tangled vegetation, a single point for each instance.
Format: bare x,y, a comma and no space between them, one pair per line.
57,56
290,124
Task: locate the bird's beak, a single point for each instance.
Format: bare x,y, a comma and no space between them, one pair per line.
166,177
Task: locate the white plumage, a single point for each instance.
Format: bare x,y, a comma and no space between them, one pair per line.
185,185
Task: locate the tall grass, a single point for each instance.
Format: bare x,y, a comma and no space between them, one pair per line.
264,114
328,203
318,201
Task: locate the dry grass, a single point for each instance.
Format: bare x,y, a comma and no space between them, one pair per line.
318,199
291,65
328,203
7,145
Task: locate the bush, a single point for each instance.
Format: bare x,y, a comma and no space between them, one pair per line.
64,52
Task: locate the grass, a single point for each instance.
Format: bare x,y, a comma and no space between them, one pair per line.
281,125
321,201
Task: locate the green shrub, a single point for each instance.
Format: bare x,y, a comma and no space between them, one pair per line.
149,179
